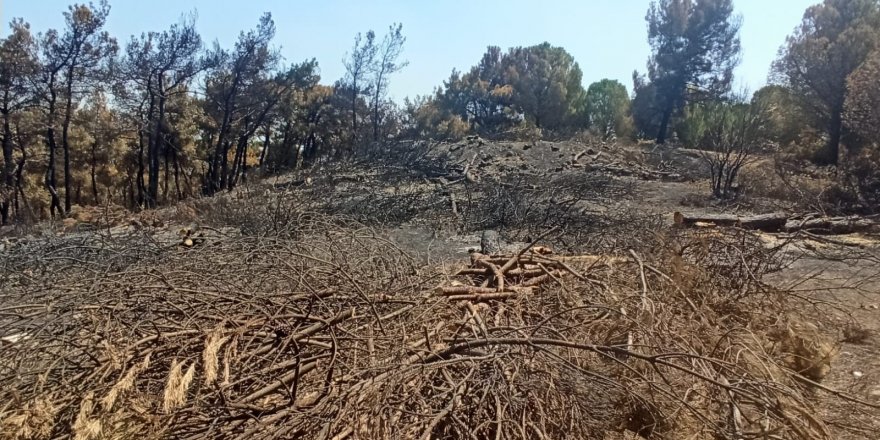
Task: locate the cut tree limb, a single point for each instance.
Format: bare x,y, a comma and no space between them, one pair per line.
484,297
834,225
780,222
472,290
764,222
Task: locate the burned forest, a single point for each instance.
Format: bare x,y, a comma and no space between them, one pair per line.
206,239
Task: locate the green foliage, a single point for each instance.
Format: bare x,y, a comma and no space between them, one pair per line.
788,122
311,121
243,88
425,119
540,85
862,116
713,117
160,66
546,85
73,63
862,108
695,46
691,125
18,67
646,115
608,109
833,40
482,97
170,117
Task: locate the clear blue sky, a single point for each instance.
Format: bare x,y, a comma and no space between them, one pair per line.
608,38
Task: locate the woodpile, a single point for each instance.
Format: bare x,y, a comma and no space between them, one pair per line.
499,276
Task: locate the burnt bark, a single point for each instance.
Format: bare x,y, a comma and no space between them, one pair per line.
664,124
65,129
8,182
765,222
155,140
830,153
93,173
51,180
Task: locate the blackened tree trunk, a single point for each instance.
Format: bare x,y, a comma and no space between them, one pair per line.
354,119
284,148
664,124
19,177
139,175
176,163
51,180
8,182
830,154
65,131
217,178
55,207
165,177
93,173
224,165
265,151
376,99
155,141
240,153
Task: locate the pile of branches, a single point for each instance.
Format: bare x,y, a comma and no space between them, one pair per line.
333,332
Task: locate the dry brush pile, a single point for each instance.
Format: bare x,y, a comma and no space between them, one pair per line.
330,331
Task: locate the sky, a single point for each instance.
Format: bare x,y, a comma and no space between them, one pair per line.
608,38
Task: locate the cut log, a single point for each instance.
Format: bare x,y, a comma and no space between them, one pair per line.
765,222
484,297
834,225
779,222
471,290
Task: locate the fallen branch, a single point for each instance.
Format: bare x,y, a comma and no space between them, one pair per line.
764,222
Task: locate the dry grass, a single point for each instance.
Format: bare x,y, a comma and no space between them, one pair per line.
85,427
177,386
125,384
210,359
34,419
